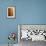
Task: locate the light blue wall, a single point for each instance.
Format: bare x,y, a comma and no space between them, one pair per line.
27,12
6,25
31,11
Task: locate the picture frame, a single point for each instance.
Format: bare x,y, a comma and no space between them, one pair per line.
11,12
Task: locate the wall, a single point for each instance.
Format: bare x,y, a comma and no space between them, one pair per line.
27,12
31,11
6,25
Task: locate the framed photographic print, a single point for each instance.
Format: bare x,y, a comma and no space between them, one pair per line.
11,12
